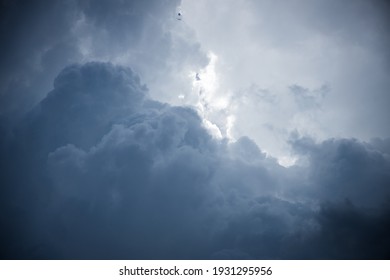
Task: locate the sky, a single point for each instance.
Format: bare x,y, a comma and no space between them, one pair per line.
238,130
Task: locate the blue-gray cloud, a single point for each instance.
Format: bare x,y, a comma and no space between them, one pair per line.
39,39
99,170
92,167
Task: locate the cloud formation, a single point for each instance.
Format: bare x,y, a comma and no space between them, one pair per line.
98,170
41,38
178,156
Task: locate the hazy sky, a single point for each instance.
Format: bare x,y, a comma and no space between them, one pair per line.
243,129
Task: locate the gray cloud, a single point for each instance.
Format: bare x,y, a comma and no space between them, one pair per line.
109,173
41,38
97,166
361,169
34,50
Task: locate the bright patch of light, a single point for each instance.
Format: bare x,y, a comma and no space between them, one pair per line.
229,126
212,128
210,103
287,161
204,86
207,77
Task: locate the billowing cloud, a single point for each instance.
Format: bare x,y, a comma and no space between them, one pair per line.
41,38
128,134
99,170
332,47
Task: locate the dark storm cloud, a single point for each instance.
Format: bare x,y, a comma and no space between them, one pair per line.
40,38
347,170
98,170
33,50
348,232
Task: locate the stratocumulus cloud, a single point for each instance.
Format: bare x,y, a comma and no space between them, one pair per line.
97,170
